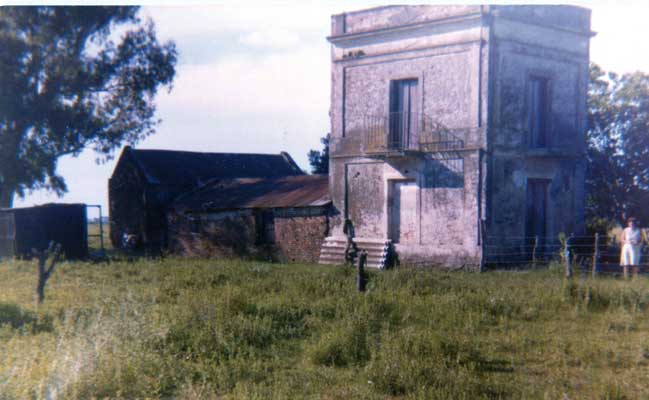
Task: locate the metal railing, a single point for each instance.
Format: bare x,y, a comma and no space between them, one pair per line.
399,132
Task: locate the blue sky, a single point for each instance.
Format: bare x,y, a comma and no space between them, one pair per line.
254,77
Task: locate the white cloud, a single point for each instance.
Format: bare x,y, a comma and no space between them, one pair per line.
176,21
289,82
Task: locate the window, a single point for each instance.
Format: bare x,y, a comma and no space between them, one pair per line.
403,115
539,112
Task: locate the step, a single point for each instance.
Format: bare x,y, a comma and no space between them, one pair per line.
370,259
343,239
362,245
333,250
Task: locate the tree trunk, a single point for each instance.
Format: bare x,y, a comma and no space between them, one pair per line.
6,198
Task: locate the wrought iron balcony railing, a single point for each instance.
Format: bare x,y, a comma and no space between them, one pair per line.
401,132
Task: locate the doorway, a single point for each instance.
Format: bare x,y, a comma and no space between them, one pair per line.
402,211
536,212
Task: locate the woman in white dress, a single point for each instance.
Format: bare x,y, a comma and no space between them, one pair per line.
631,244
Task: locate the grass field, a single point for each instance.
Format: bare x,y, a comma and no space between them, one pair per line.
230,329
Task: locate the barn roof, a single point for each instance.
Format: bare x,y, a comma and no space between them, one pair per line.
188,167
283,192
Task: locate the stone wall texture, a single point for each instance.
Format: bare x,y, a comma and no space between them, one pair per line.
300,238
296,235
473,66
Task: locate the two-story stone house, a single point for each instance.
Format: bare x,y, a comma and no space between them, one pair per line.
451,124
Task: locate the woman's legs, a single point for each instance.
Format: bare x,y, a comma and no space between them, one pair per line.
635,255
626,258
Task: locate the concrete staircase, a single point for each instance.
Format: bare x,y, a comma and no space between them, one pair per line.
333,251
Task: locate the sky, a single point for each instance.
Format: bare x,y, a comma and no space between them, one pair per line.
255,78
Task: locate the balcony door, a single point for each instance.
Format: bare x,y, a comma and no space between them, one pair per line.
403,114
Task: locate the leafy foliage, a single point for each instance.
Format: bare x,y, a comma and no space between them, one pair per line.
618,145
319,160
65,85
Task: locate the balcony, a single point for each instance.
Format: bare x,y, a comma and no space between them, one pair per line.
401,133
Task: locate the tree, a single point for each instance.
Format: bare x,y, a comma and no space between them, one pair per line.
319,160
52,253
66,85
618,146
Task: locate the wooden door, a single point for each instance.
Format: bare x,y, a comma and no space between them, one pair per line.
536,211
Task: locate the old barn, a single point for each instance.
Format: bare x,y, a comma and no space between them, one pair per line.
284,218
145,182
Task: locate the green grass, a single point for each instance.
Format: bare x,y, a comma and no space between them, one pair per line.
229,329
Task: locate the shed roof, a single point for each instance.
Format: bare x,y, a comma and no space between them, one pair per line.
188,167
283,192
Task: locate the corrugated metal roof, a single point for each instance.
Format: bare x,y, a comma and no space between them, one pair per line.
289,191
187,167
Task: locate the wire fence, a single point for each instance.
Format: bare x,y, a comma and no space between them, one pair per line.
594,254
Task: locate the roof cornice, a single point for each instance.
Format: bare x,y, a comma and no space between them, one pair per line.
336,39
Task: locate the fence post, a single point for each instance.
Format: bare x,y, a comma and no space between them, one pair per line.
536,244
568,256
595,254
360,278
101,230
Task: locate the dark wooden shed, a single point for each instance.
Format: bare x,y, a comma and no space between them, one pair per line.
145,182
24,229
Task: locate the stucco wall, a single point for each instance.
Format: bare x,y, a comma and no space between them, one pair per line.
562,58
473,65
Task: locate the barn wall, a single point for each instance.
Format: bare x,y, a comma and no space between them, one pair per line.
156,202
224,234
296,234
299,236
127,212
139,207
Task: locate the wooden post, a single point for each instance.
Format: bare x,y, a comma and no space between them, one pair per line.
568,256
360,277
595,254
483,244
536,244
101,230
